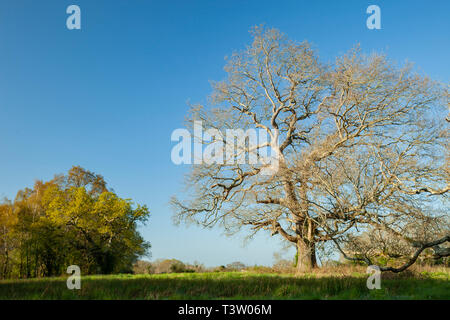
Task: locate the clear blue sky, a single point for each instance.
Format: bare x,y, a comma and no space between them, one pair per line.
107,97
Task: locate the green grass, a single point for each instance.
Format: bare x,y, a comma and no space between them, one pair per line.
231,285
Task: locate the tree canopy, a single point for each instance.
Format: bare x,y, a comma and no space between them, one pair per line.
74,219
362,145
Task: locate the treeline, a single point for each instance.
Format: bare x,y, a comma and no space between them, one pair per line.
176,266
281,266
73,219
161,266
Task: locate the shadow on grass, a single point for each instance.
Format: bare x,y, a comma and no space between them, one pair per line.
226,286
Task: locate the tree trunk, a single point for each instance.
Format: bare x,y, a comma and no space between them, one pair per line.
306,256
306,249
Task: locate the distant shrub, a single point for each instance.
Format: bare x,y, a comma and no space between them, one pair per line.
180,267
175,266
235,266
284,266
197,267
143,267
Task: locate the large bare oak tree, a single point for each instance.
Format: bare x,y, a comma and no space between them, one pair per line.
362,145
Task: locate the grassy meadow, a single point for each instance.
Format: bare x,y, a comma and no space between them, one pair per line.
335,284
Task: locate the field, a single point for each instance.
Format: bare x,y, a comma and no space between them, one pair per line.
235,285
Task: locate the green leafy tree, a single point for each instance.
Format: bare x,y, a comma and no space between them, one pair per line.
72,219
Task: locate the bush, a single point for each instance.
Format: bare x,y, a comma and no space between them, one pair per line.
175,266
235,266
143,267
284,266
178,267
